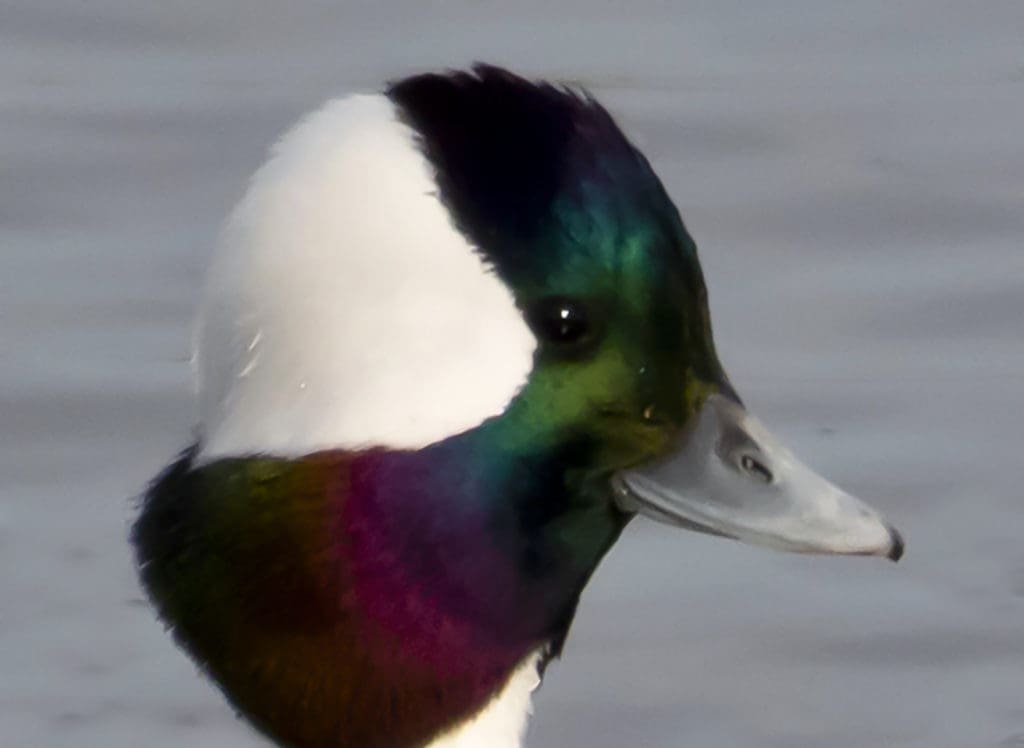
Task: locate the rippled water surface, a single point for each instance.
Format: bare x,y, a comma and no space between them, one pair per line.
854,176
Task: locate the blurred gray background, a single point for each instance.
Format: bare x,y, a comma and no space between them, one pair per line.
854,176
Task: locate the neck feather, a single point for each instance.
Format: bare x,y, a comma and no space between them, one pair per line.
344,591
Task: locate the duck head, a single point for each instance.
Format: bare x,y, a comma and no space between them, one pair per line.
573,220
455,337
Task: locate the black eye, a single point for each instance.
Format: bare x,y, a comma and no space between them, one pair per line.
755,469
559,320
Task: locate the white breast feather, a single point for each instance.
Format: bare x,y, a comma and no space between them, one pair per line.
343,309
502,723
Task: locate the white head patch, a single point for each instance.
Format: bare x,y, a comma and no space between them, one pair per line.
343,309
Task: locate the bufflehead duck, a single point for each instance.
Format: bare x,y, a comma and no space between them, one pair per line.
454,338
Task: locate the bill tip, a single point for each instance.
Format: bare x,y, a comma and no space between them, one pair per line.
896,547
